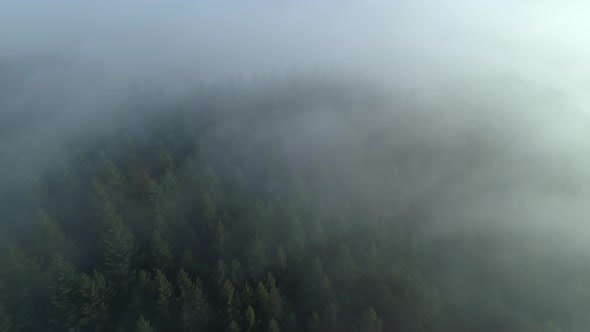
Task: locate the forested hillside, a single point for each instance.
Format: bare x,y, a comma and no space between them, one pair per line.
270,207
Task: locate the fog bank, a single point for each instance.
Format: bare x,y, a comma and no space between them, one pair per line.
489,98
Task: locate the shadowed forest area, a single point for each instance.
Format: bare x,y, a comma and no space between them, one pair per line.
275,205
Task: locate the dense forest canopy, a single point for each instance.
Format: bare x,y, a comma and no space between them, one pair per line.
305,165
291,204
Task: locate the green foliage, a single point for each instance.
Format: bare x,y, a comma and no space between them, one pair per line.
21,280
250,318
55,240
314,322
273,326
193,304
94,293
63,288
5,321
232,326
143,325
161,253
165,294
119,247
370,322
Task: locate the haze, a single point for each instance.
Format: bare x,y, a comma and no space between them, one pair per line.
496,89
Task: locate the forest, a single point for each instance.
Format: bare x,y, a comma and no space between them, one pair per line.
277,205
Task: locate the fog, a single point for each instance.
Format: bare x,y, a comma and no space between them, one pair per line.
507,79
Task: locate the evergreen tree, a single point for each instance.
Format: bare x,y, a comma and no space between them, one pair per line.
5,321
250,318
232,326
263,301
273,326
55,241
274,302
143,325
281,257
257,256
228,297
95,295
119,247
161,253
165,295
63,290
194,306
370,322
314,322
21,280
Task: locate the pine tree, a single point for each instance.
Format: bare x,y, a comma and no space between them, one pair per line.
273,326
109,188
236,274
21,280
263,301
188,262
291,322
94,294
257,256
165,295
194,306
228,296
119,247
319,285
161,253
5,321
274,303
220,239
143,325
166,198
370,322
145,295
37,189
221,273
209,207
54,239
314,322
232,326
331,316
296,237
250,318
281,257
63,291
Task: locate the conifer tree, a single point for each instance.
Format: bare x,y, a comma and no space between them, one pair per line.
228,297
273,326
257,256
250,318
194,306
314,322
165,295
143,325
119,247
275,302
370,322
160,251
5,321
95,295
55,240
63,291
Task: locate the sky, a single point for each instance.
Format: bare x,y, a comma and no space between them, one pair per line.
419,40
